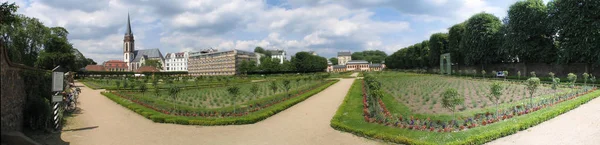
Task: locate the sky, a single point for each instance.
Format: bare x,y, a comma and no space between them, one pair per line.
97,27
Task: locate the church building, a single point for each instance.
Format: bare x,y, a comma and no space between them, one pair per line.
136,58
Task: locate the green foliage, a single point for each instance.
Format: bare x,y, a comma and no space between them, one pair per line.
576,23
438,45
481,39
153,63
286,85
414,56
572,79
306,62
555,83
334,60
173,91
348,118
451,98
585,78
374,56
143,88
528,35
532,74
36,111
551,74
247,119
455,36
273,86
532,85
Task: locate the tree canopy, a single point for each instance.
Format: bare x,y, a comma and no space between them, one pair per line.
374,56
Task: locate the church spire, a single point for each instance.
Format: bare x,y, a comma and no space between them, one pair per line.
128,26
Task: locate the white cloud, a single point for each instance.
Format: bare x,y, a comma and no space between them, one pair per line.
325,26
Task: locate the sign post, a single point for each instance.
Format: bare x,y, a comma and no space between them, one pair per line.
58,85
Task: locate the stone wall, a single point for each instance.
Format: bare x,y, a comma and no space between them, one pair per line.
541,69
12,93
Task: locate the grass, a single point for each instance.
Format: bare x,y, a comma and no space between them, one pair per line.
349,118
247,119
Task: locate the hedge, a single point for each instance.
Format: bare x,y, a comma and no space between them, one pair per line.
349,119
248,119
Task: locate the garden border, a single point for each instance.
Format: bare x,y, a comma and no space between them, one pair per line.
356,125
185,120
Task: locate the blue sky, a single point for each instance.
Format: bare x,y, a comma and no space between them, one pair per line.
325,26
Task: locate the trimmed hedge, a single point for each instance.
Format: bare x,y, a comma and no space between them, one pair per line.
349,119
185,120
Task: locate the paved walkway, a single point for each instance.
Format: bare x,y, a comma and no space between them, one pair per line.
580,126
103,122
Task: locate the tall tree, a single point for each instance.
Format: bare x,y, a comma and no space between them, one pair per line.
438,45
576,22
374,56
455,36
333,60
153,63
57,51
306,62
481,39
528,35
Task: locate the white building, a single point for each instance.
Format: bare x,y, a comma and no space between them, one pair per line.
278,54
344,57
176,61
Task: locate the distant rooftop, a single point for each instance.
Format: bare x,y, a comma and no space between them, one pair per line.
345,53
357,62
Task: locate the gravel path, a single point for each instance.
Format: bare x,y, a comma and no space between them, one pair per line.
103,122
579,126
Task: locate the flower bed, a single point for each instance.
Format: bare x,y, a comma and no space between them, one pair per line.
460,124
350,117
214,118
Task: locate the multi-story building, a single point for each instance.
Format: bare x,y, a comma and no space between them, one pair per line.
115,65
278,54
176,61
356,65
218,63
344,57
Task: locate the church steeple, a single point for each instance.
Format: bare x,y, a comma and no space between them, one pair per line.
128,26
128,45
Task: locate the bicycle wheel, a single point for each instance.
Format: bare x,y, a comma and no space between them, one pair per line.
71,106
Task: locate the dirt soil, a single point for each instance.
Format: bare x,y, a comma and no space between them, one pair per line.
103,122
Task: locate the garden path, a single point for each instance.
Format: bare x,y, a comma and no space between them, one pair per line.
103,122
579,126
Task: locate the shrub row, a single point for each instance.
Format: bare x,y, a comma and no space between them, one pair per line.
248,119
349,119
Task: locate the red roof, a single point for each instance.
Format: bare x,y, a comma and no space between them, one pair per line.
147,69
114,61
94,68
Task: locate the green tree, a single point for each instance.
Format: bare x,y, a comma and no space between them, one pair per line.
532,85
374,56
306,62
118,84
593,80
333,60
483,74
286,86
481,39
451,98
495,93
234,91
529,36
505,75
572,79
438,45
273,86
455,36
585,78
143,88
153,63
173,91
254,89
576,23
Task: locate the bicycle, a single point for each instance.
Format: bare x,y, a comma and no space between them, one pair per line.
70,102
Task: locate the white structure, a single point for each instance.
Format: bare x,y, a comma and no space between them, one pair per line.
344,57
278,54
176,61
